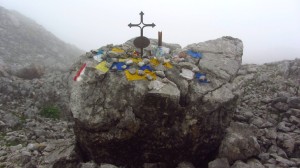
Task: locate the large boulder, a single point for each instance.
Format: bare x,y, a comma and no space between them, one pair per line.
133,122
240,143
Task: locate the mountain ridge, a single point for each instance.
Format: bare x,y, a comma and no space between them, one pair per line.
24,41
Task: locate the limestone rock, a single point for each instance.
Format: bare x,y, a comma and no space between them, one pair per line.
239,139
240,164
219,163
185,165
221,58
118,121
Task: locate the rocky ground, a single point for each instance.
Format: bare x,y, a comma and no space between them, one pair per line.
264,131
26,136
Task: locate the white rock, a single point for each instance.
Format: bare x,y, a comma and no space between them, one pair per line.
155,85
160,74
141,73
129,62
186,73
25,153
15,148
140,64
149,77
132,71
146,61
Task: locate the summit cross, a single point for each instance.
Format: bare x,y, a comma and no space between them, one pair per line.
141,42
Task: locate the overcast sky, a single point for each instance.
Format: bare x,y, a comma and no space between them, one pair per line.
269,29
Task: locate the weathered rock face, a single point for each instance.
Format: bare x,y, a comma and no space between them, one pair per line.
129,123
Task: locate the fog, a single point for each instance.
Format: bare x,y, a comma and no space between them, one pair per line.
269,29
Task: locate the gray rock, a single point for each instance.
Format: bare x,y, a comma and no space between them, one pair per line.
240,164
25,153
264,157
281,106
294,102
281,127
36,146
160,74
287,143
268,165
294,120
15,148
132,71
107,166
88,165
63,157
103,121
284,161
239,143
296,160
273,149
149,77
11,120
219,163
257,121
3,153
271,133
280,152
154,165
141,73
217,53
185,165
254,163
294,112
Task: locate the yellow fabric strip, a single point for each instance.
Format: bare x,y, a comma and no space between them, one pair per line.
102,67
136,60
122,60
117,50
154,62
168,65
135,76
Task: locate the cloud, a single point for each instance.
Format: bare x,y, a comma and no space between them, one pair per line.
269,29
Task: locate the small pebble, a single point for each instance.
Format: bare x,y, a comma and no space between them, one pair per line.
146,61
114,59
140,64
165,80
132,71
141,72
129,62
108,64
149,77
160,74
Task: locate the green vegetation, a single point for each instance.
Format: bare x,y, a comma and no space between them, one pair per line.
14,143
50,111
2,135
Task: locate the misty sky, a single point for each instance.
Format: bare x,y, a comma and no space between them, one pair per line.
269,29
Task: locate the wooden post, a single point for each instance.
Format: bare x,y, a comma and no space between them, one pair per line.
159,39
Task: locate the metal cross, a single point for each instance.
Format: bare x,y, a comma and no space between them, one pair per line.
141,42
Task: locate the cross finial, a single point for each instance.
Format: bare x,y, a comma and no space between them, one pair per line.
141,22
